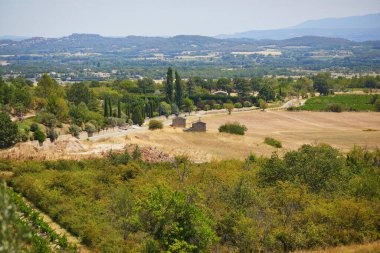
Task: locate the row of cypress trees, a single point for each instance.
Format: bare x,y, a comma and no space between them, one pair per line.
174,93
108,108
137,110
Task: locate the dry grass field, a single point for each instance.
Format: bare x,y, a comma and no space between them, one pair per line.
341,130
358,248
293,129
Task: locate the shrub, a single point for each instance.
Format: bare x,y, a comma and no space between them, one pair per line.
117,159
262,104
155,124
229,107
136,154
207,107
273,142
216,106
34,127
24,134
334,108
90,129
39,136
233,128
47,119
75,130
52,135
238,105
247,104
377,104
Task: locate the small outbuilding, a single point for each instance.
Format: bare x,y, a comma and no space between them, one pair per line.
179,122
198,126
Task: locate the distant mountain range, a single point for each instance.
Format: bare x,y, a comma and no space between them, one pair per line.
356,28
139,45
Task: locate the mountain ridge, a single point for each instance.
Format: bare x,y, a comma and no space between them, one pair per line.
356,28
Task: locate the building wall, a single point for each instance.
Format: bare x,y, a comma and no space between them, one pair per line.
179,122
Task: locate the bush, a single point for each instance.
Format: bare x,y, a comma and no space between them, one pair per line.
229,107
117,159
233,128
238,105
24,135
75,130
155,124
47,119
39,136
334,108
377,104
262,104
216,107
52,135
90,129
34,127
273,142
247,104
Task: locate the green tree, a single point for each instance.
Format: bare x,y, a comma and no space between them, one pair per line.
105,107
229,107
190,87
75,130
137,117
39,136
79,113
110,107
169,86
177,221
178,90
119,109
165,109
6,92
266,93
145,84
188,105
242,86
58,107
8,131
321,83
46,86
90,129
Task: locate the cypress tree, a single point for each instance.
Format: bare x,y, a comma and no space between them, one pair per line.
137,117
110,107
178,90
118,109
169,85
106,107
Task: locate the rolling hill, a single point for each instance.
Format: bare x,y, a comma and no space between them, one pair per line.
356,28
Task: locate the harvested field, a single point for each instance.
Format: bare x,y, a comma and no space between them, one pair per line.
341,130
292,129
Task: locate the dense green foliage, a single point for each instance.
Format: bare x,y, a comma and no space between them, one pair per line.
337,103
8,131
22,229
155,124
313,197
233,128
273,142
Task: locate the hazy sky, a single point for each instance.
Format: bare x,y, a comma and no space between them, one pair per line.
54,18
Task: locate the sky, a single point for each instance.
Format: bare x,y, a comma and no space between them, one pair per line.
56,18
